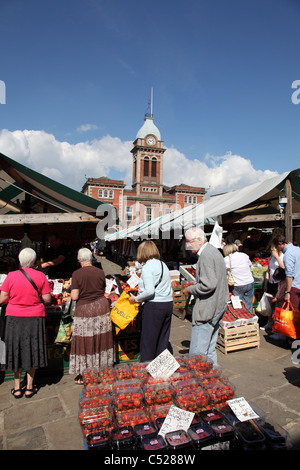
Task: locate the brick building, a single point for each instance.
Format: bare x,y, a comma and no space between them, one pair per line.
148,197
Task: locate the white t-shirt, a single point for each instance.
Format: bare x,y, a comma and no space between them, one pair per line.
273,264
240,268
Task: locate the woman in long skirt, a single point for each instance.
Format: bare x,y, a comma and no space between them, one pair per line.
92,338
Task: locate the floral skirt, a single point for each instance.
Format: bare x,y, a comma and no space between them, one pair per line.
92,338
25,341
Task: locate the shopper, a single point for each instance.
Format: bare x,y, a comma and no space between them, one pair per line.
25,337
92,337
271,283
155,293
253,246
210,291
291,260
278,299
56,258
240,268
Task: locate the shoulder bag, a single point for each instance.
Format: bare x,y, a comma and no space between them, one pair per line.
33,284
230,278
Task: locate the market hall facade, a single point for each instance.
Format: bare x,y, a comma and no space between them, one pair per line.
148,197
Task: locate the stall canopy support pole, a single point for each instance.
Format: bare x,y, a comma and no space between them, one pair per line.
288,212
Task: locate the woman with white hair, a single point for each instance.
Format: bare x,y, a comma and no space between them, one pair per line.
25,337
92,338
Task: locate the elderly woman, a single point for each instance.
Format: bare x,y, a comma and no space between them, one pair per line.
25,337
239,263
92,339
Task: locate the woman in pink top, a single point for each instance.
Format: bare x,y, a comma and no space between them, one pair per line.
25,337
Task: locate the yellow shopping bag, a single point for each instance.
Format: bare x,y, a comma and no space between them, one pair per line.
123,312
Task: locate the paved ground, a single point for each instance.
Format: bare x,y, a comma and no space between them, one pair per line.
265,376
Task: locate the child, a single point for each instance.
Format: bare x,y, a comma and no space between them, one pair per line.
279,275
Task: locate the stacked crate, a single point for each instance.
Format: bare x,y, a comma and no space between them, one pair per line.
179,300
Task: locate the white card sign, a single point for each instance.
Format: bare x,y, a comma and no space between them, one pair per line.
163,366
242,409
236,302
175,420
133,281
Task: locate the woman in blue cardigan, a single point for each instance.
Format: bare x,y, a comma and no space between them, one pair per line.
155,292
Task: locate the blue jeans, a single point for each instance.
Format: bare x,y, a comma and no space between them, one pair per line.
204,338
246,294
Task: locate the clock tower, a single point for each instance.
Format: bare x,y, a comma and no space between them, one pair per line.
147,152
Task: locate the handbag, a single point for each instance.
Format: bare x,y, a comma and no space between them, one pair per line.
230,278
65,330
33,284
123,312
286,321
264,307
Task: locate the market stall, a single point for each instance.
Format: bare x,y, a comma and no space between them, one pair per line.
171,403
33,206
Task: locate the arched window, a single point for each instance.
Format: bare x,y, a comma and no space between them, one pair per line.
153,167
111,194
105,193
146,166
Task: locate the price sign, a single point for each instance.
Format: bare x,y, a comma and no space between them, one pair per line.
176,419
163,366
242,409
236,302
133,281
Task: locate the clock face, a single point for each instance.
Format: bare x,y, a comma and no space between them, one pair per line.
150,141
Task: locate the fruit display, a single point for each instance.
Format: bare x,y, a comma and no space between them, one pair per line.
124,385
237,317
130,399
122,372
158,411
131,418
96,401
96,419
145,430
153,443
157,394
96,391
195,400
201,435
60,295
198,362
178,439
90,377
123,438
107,375
138,370
98,440
185,385
219,393
223,430
185,374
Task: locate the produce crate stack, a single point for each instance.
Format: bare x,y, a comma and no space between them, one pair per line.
238,330
124,407
179,300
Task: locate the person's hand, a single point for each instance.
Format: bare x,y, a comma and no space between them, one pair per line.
185,291
132,299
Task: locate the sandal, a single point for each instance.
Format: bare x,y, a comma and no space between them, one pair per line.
78,379
32,391
17,390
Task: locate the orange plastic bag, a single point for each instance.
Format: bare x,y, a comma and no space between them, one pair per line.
286,321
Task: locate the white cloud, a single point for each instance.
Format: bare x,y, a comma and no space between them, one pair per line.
109,156
87,127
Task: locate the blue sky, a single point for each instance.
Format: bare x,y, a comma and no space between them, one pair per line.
78,75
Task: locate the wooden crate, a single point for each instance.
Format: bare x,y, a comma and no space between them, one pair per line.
238,337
